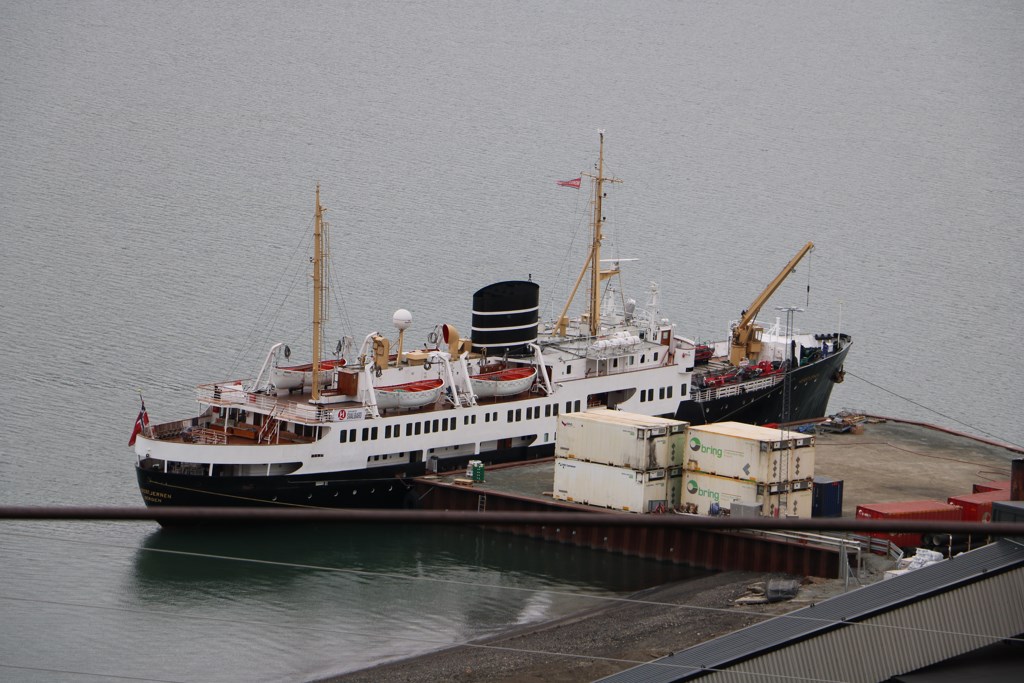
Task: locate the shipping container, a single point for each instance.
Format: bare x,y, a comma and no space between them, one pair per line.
984,487
617,488
828,497
675,487
1008,511
978,506
798,504
742,451
702,491
621,439
913,509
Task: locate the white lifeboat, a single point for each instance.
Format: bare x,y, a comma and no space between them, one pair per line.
409,395
507,382
298,376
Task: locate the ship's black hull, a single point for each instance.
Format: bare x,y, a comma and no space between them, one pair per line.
810,389
382,487
336,490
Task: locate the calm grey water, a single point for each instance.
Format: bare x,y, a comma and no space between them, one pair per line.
157,166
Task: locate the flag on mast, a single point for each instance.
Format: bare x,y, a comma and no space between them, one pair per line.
575,182
141,423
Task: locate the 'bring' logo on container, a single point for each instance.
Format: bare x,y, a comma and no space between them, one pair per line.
692,488
696,445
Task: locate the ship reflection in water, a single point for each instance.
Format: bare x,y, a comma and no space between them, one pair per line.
346,593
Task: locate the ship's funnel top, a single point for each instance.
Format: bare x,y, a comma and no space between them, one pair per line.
505,317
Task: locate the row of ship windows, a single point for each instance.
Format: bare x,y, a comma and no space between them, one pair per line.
386,456
514,415
391,431
615,362
533,412
449,423
663,393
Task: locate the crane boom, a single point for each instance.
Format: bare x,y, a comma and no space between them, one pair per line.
746,336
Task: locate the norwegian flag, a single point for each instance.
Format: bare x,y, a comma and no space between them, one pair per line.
141,423
575,182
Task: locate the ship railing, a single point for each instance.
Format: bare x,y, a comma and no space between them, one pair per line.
305,413
211,437
221,394
879,546
231,396
736,389
170,430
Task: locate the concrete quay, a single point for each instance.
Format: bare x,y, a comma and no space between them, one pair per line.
880,460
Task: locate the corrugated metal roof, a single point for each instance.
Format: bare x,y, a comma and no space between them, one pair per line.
982,593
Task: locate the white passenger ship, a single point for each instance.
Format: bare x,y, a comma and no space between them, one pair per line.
349,431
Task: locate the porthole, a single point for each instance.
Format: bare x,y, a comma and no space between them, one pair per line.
353,492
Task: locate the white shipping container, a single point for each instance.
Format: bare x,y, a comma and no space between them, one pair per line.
621,439
675,487
742,451
618,488
798,504
703,489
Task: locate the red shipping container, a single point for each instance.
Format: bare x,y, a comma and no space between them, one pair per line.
992,486
978,506
912,509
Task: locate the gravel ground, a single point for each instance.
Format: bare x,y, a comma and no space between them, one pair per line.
607,639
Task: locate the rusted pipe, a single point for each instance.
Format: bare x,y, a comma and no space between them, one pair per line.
1017,479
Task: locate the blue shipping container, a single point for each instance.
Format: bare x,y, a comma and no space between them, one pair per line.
827,497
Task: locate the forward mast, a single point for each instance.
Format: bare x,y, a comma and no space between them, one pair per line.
321,274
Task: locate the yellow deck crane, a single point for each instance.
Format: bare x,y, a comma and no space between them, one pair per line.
746,336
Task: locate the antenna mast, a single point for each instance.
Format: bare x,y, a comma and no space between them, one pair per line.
593,262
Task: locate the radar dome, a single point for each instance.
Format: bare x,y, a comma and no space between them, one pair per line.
401,319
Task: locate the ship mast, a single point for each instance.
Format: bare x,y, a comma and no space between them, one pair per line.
593,262
320,263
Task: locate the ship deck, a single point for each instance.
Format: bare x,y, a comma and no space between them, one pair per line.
294,407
